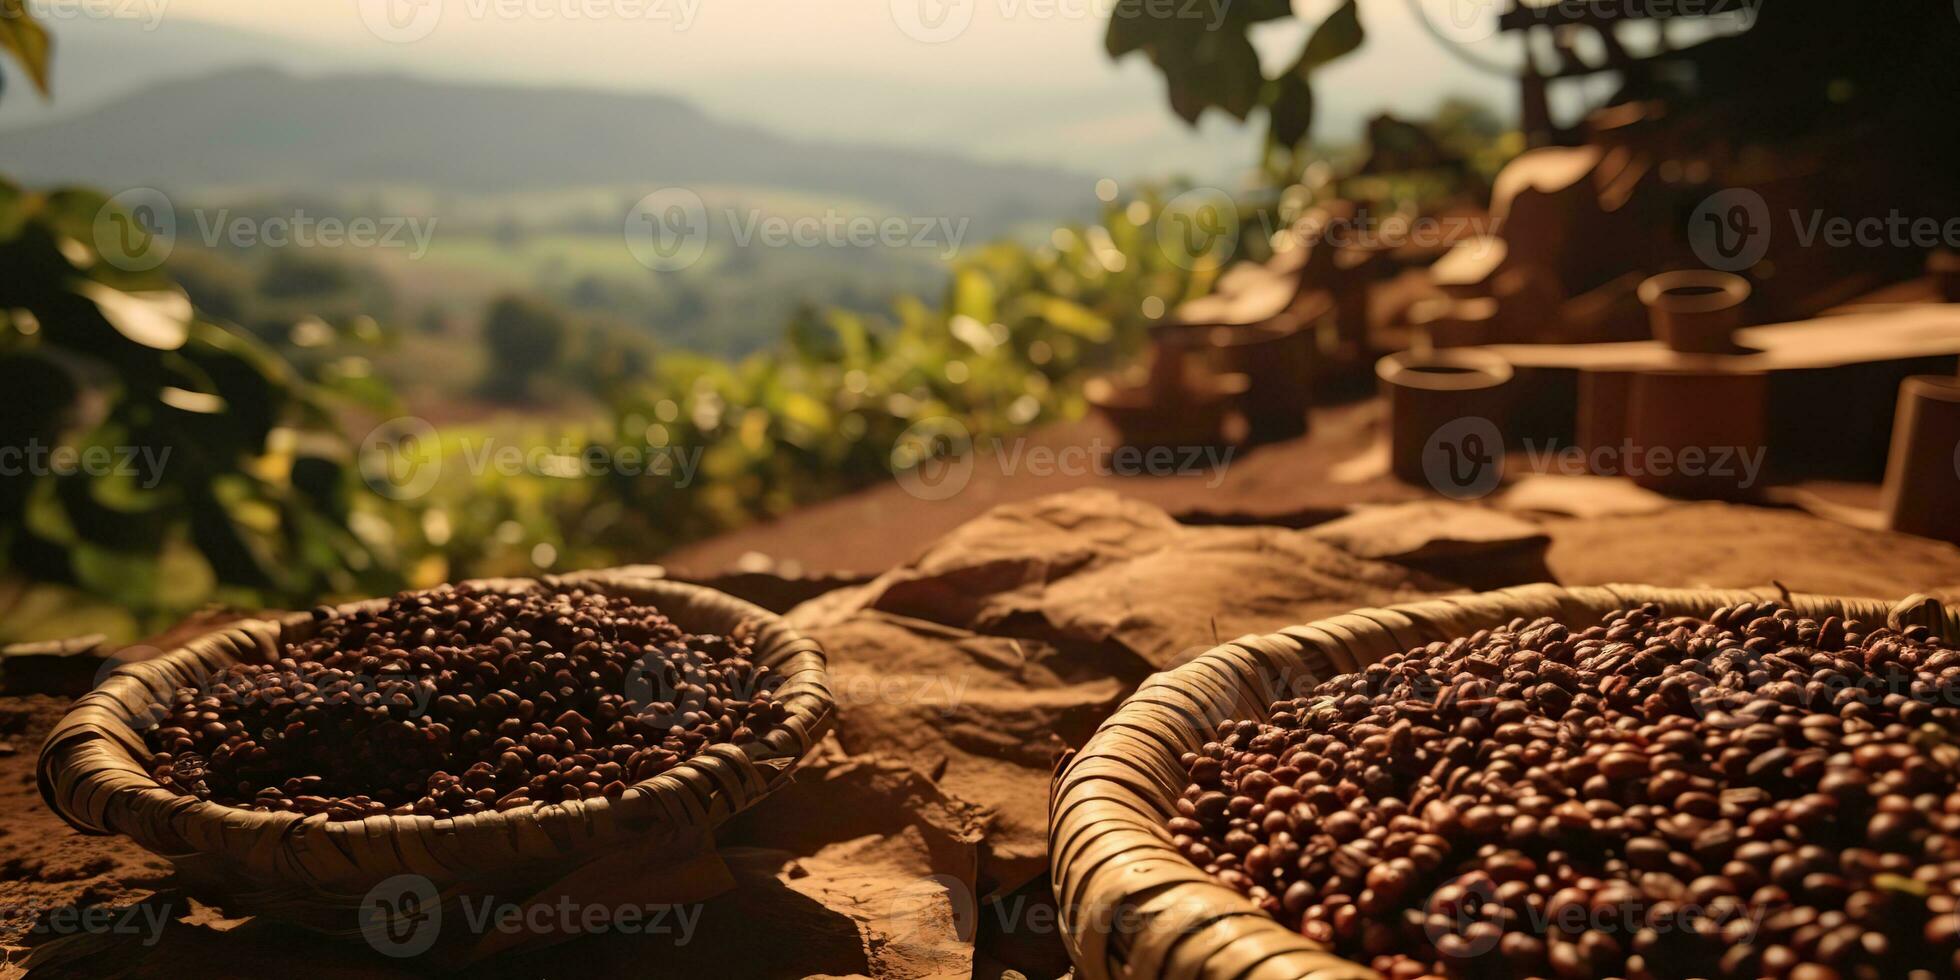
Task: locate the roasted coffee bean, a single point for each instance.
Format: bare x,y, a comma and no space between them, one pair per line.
458,700
1757,794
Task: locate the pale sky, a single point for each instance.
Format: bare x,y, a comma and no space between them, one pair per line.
1024,80
1027,44
1006,42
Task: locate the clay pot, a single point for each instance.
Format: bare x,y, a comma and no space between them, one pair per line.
1175,405
1465,388
1698,432
1607,313
1466,270
1922,475
1695,311
1528,299
1602,416
1944,266
1277,362
1456,322
1355,269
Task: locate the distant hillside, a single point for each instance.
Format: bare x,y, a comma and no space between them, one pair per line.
100,59
1091,115
268,129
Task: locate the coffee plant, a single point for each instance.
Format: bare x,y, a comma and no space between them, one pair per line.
229,477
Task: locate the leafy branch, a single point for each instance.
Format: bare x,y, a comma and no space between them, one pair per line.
26,41
1210,62
156,458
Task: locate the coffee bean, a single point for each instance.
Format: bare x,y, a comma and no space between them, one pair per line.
1631,799
1623,765
437,703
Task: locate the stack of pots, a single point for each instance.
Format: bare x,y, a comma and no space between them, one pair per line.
1669,427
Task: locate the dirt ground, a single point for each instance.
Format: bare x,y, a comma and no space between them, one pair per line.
1300,481
1297,483
912,844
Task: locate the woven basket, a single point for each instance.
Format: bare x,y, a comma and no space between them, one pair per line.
652,844
1134,907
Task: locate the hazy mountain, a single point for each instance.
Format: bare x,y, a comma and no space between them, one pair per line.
1117,127
98,60
267,129
1089,115
1120,127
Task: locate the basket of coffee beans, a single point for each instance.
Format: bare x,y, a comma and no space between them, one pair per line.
499,737
1617,781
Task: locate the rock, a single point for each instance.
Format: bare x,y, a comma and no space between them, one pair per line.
66,668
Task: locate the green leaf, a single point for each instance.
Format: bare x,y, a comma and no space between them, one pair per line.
1257,11
131,523
161,320
974,296
1219,68
71,212
26,41
1154,24
13,215
1076,319
1234,72
184,579
321,482
1130,27
798,408
1339,34
1291,110
127,576
35,611
234,556
45,519
852,336
1187,102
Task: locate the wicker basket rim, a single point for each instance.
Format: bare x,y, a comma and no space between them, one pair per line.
1108,849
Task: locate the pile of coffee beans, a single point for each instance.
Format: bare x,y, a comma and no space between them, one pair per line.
1751,795
457,701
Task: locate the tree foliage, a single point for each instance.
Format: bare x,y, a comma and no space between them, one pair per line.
844,398
26,41
151,457
1209,61
256,497
147,449
526,339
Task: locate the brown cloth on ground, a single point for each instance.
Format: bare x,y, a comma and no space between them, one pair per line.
1013,637
911,845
